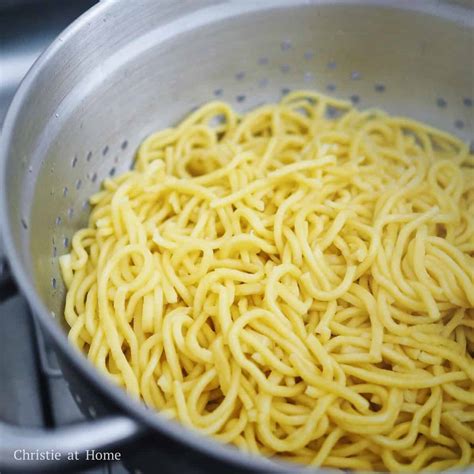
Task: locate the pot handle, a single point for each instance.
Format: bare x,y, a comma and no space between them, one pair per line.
39,450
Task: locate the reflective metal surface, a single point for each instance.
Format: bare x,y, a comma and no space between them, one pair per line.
27,27
128,68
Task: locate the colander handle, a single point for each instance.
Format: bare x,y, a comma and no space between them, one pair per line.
39,450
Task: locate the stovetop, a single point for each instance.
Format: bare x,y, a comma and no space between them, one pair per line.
33,392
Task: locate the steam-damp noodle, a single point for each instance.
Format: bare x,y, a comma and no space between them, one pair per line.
297,281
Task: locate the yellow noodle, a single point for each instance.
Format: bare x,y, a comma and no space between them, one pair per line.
300,286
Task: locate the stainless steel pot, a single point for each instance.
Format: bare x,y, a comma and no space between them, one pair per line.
127,68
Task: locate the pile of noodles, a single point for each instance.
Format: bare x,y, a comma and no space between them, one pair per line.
297,281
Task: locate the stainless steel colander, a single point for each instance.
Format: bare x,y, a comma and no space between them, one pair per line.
127,68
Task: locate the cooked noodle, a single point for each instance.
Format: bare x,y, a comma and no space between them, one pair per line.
298,281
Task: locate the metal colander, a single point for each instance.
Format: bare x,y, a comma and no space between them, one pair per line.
125,69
